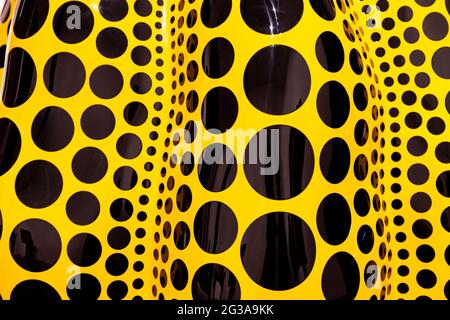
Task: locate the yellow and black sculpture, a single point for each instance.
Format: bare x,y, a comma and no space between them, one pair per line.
112,110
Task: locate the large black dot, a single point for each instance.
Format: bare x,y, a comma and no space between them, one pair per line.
106,82
435,26
334,219
34,290
333,104
117,290
35,245
38,184
278,251
30,17
215,227
20,78
112,42
324,8
365,239
215,282
219,110
89,165
443,184
329,51
279,162
217,167
218,58
125,178
84,249
10,142
340,277
116,264
73,22
121,209
129,146
83,208
360,97
335,160
426,279
277,80
181,235
179,274
119,238
83,287
361,202
215,12
64,75
273,17
52,129
113,10
98,122
441,62
135,113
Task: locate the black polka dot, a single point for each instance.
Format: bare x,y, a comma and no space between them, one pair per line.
418,174
179,274
356,62
333,104
435,26
365,239
219,110
324,8
1,225
184,198
142,31
38,184
279,17
113,10
116,264
436,126
106,81
141,56
34,290
215,227
422,229
73,22
20,77
89,165
30,17
181,235
141,83
40,237
121,209
335,160
135,113
97,122
420,202
360,97
442,152
84,249
329,52
441,63
286,256
10,142
277,80
129,146
445,219
119,238
417,146
117,290
83,208
125,178
447,255
340,277
334,219
361,202
215,12
218,58
112,42
83,287
52,129
64,75
361,167
425,253
426,279
285,146
361,132
217,167
215,282
143,8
